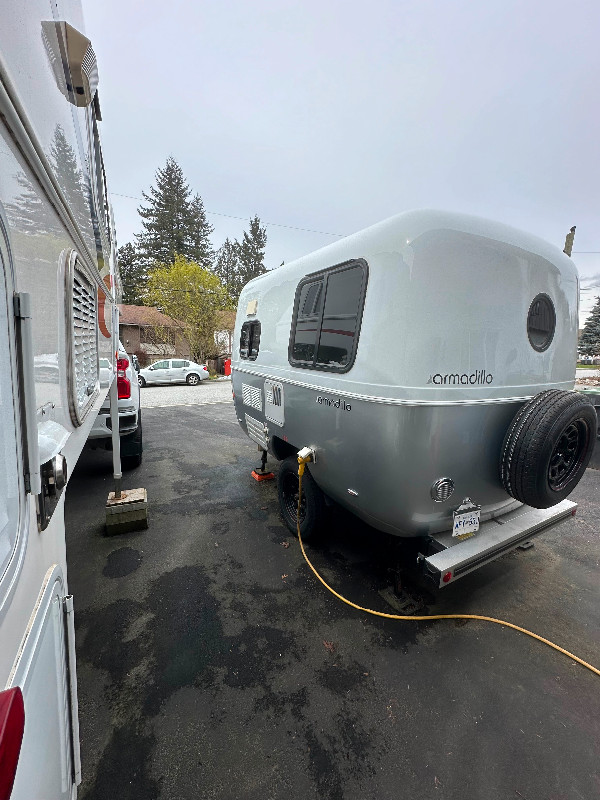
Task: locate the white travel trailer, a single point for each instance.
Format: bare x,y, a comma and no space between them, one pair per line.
57,290
428,363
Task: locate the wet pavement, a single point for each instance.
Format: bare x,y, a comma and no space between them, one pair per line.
212,665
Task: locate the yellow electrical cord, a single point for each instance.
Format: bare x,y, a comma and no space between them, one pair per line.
301,465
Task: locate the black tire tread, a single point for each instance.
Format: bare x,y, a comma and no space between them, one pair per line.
315,499
541,418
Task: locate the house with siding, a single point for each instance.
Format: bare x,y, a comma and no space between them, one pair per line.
150,334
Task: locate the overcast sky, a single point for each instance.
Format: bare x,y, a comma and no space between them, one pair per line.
331,116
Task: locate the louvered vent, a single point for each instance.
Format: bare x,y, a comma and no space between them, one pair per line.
83,344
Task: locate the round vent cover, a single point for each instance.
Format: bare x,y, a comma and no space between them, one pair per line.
442,489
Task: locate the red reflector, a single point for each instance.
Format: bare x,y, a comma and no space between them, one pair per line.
12,725
447,576
123,388
574,512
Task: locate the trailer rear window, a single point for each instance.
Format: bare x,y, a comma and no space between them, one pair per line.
250,340
541,322
326,320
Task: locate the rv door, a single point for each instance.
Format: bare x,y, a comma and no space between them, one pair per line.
36,620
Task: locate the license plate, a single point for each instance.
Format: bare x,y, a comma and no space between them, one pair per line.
466,523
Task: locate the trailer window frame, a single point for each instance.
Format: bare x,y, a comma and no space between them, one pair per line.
11,563
324,276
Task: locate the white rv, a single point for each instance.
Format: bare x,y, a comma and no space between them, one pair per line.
57,289
427,362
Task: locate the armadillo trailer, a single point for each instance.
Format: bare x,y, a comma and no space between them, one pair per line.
428,362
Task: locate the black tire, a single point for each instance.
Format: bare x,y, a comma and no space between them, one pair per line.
313,501
132,447
141,381
193,379
547,448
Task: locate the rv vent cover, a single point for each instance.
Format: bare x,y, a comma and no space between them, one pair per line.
73,62
442,489
82,340
252,396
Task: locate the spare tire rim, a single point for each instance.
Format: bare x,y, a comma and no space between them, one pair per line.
568,454
290,498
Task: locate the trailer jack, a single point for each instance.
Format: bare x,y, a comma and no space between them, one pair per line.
261,473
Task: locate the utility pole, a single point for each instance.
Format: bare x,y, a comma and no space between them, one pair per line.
569,241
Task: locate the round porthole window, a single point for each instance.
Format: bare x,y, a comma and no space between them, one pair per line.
541,322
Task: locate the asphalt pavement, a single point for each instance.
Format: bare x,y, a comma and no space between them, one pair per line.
206,393
211,664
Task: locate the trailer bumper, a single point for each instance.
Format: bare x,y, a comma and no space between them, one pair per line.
494,538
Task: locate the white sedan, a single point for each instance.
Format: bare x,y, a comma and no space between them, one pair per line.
173,370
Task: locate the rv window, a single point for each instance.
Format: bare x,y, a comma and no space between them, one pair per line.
325,332
250,340
541,322
307,326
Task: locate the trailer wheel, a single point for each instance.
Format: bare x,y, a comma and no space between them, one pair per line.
547,447
312,505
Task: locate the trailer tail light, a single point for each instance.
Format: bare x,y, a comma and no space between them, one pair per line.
447,577
12,725
123,385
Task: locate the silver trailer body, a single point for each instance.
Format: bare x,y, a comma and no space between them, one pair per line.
58,283
440,360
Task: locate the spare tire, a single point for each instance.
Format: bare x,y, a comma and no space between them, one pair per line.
547,447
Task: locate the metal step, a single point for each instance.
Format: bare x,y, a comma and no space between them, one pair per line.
494,538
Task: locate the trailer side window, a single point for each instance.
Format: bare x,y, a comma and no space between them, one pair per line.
327,317
250,340
307,322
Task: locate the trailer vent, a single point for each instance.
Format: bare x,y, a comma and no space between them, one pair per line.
251,396
442,489
257,431
83,341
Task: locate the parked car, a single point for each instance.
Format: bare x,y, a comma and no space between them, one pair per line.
173,370
130,414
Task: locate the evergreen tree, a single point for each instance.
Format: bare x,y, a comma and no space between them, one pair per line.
589,341
173,223
29,213
227,268
252,253
201,250
133,275
70,179
32,214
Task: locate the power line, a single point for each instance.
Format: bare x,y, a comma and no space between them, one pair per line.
295,227
245,219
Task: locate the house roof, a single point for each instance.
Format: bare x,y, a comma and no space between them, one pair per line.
145,315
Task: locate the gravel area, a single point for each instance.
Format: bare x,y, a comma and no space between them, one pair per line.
207,393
